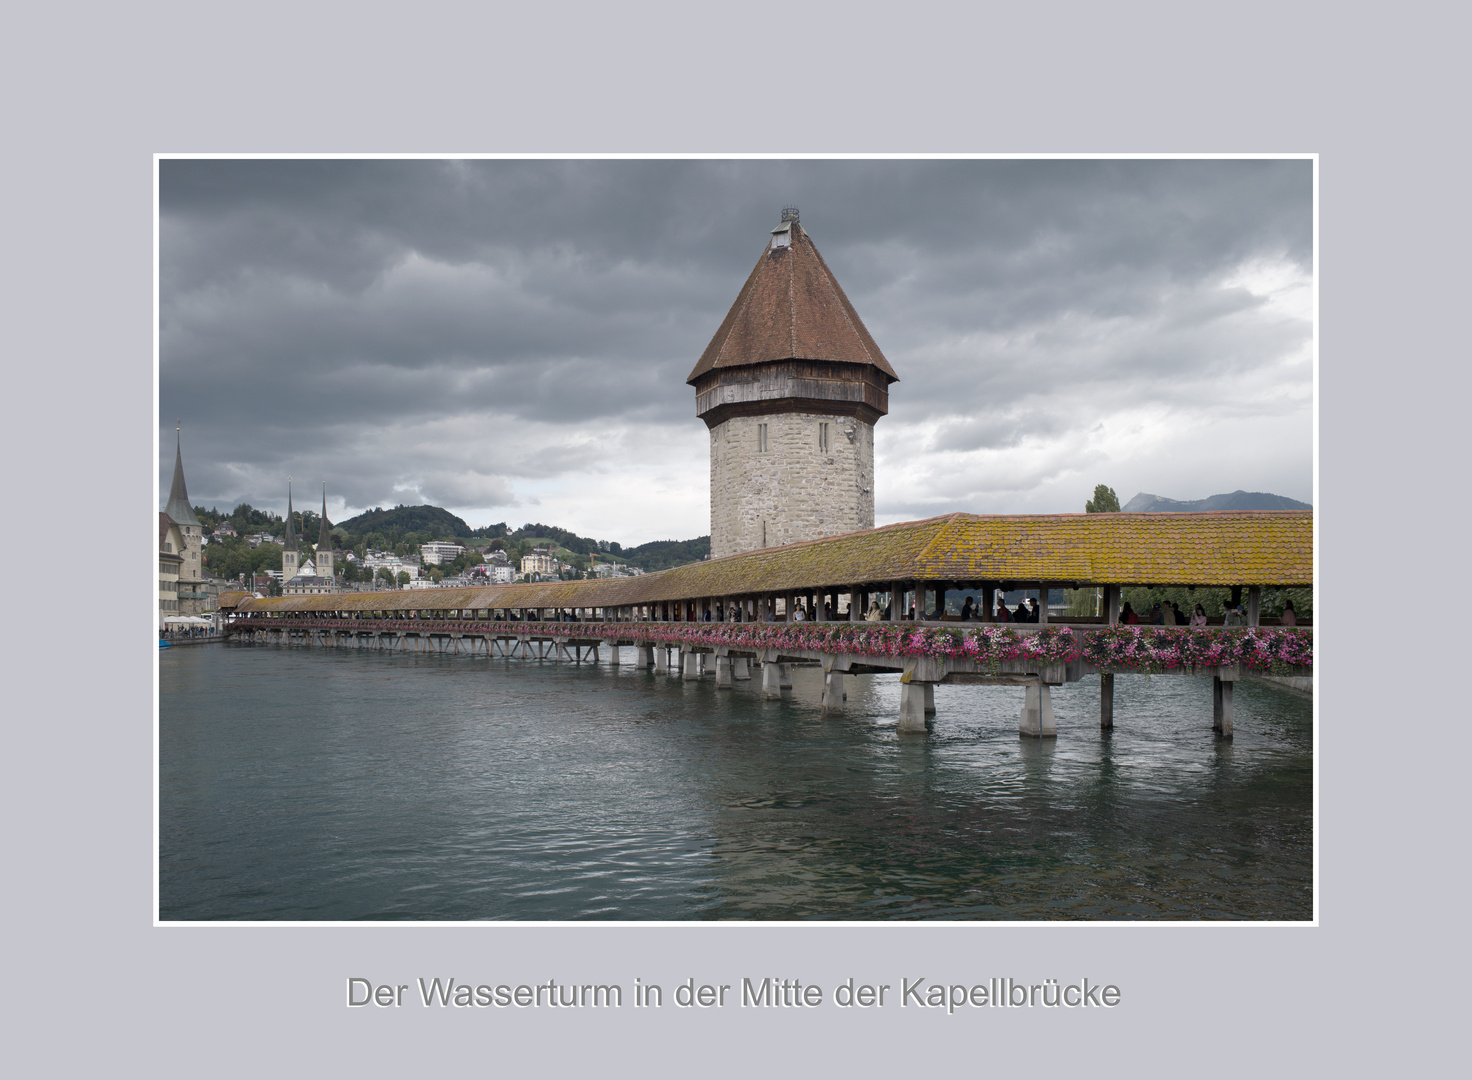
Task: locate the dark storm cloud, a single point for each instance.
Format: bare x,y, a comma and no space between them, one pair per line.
465,331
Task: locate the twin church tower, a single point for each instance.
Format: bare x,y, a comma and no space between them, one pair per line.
790,388
291,565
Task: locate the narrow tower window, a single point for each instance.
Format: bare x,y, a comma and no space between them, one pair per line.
823,437
761,438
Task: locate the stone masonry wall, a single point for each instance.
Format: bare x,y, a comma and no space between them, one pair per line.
191,570
794,489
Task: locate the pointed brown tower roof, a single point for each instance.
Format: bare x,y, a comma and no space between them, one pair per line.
178,507
791,308
791,343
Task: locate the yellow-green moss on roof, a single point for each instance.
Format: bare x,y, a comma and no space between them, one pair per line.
1258,548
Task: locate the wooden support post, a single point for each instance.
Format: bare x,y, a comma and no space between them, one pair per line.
1221,703
1111,604
1254,604
1043,603
920,591
1106,700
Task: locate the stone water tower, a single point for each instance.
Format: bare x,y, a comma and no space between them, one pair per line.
790,387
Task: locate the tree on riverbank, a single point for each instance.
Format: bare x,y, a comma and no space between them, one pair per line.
1105,501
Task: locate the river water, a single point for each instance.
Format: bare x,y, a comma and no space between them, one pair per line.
323,784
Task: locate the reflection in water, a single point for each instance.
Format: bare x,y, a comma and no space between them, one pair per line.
324,784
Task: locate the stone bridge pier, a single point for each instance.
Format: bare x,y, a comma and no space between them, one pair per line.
1037,717
771,680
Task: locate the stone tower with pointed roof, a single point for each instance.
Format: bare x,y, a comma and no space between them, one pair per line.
323,557
191,567
290,556
790,388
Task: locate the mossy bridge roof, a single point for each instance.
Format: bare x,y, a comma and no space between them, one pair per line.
1233,548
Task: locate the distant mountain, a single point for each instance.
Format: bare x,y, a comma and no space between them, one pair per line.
1237,500
406,519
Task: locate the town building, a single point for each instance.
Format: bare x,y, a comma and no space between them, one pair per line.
541,562
170,547
439,551
191,595
308,582
790,387
373,561
615,570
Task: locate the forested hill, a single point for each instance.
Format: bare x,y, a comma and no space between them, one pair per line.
407,519
436,521
427,521
1144,503
662,554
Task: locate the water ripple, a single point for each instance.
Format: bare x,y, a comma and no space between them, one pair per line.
302,784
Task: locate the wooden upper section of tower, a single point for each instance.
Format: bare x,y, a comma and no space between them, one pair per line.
791,342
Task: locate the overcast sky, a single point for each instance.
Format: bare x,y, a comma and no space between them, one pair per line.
510,339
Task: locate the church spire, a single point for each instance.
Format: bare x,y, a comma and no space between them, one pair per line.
290,544
178,507
324,564
324,538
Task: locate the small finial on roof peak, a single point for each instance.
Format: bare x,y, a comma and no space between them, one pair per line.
789,213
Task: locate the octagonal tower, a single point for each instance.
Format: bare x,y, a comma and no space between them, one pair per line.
790,388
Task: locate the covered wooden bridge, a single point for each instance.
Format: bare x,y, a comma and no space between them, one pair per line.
896,568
